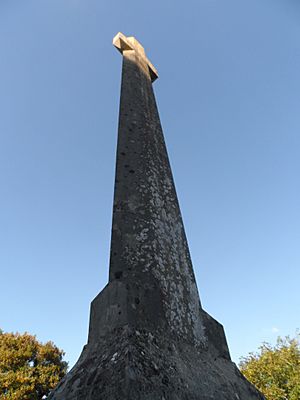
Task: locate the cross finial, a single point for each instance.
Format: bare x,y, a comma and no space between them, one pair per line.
123,43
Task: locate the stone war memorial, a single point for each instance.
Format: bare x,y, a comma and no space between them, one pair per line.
149,337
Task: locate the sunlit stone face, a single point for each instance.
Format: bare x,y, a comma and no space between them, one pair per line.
123,43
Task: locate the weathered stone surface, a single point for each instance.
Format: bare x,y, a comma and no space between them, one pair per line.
145,365
149,337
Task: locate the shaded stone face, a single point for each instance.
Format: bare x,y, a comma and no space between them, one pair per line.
149,251
149,337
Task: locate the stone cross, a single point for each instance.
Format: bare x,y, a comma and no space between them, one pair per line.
149,337
123,43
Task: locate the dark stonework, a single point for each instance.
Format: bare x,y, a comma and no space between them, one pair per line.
149,337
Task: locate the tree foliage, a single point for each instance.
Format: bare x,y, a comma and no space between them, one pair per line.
275,370
28,368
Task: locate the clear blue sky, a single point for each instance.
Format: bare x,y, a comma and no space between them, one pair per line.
229,97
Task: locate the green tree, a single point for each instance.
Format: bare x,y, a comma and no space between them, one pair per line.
28,369
275,370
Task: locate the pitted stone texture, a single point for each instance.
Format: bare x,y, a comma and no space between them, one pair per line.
148,241
144,365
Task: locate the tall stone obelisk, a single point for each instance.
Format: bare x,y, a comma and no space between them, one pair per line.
149,337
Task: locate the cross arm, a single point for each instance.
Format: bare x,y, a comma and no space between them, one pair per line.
123,43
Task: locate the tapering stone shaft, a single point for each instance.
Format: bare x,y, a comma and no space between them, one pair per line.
148,242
